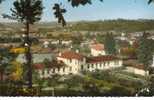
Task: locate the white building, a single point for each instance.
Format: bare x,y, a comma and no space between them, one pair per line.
153,61
97,49
67,43
46,44
76,62
137,70
37,58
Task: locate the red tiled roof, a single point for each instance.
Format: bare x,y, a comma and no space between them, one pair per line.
101,59
134,64
98,47
38,66
139,66
52,64
71,55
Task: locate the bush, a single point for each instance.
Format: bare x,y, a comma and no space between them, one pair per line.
120,91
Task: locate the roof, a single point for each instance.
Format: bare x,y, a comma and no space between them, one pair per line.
38,66
52,64
98,46
134,64
140,66
101,59
71,55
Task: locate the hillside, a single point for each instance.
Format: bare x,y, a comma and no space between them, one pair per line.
106,25
115,25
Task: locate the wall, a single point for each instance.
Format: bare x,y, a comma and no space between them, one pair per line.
137,71
97,53
75,66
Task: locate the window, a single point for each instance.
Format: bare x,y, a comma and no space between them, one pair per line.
116,62
103,63
70,68
92,65
81,67
88,66
96,65
53,70
63,69
58,69
108,63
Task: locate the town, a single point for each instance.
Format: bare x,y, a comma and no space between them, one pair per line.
77,48
75,53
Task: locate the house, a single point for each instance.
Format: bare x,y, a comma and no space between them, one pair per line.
102,62
37,58
137,69
46,44
55,42
134,67
153,61
74,63
67,43
97,49
72,59
55,67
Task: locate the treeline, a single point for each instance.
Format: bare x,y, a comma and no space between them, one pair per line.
15,40
115,25
10,40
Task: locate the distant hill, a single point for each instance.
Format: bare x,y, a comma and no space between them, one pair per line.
115,25
106,25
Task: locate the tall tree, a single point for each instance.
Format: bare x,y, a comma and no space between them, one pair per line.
27,12
144,51
109,43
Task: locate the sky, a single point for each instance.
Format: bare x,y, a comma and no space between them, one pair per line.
109,9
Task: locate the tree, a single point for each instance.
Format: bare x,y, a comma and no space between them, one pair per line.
16,71
100,38
144,52
59,14
27,12
150,1
5,58
47,63
76,3
1,1
109,43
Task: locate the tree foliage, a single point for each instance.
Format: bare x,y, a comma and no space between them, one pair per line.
76,3
1,1
110,45
59,14
5,59
119,25
27,10
145,51
16,71
150,1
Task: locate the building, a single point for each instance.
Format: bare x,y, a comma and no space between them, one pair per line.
46,44
153,61
72,59
102,62
37,58
132,66
97,49
75,63
137,69
66,43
